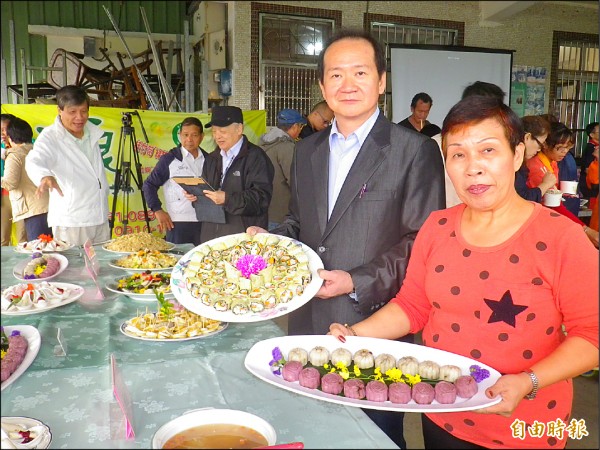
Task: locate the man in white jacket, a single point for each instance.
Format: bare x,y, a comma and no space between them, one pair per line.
66,160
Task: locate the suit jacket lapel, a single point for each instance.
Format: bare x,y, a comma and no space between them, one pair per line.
371,155
320,169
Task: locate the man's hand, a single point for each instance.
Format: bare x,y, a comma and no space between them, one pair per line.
48,184
190,197
164,220
335,282
218,197
253,230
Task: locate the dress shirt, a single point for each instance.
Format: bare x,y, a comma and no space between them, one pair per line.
229,156
195,164
342,153
84,145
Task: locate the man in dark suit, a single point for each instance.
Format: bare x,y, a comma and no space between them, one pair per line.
361,189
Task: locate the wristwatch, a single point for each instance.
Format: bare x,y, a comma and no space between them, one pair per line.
535,382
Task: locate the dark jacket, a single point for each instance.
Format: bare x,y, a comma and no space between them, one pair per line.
533,194
248,185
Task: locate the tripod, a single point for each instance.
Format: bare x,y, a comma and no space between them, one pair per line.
125,174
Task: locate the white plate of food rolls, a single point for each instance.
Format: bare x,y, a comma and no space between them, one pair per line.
461,388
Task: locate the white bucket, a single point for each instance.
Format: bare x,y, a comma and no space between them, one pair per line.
552,198
568,187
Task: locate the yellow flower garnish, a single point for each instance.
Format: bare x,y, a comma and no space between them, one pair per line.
39,269
412,379
356,371
2,354
326,367
394,374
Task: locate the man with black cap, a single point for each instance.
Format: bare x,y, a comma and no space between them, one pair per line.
241,174
279,144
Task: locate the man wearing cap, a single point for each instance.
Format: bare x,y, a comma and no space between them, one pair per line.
279,144
241,174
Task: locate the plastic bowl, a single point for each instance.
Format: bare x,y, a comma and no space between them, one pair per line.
552,198
568,187
208,416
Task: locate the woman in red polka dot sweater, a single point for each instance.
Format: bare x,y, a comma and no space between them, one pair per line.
496,279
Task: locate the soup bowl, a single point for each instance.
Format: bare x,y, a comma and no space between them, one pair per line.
213,416
569,187
552,197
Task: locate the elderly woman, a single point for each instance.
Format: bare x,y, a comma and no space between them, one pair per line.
496,279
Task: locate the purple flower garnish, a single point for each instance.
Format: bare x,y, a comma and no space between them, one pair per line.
15,333
478,373
29,277
250,265
36,255
277,362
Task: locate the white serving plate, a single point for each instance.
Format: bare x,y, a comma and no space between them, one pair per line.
113,263
212,333
34,339
193,304
18,270
258,358
141,297
207,416
170,246
21,248
43,439
76,293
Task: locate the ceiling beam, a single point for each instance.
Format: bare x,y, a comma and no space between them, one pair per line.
499,11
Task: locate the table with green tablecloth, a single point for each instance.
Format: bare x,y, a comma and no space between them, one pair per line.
73,394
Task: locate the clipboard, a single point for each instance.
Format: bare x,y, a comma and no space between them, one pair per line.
206,209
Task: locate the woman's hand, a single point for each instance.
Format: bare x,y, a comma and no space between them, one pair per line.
337,330
512,388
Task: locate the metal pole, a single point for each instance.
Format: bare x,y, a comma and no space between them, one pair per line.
166,87
13,57
188,70
153,100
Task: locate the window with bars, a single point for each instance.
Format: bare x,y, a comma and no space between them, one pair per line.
574,90
395,33
289,49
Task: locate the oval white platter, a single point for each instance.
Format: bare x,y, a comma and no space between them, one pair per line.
258,358
170,246
76,293
18,270
141,297
34,340
141,338
42,441
193,304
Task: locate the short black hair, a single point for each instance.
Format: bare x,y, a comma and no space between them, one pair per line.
589,129
71,95
484,88
5,117
19,131
425,98
357,34
192,121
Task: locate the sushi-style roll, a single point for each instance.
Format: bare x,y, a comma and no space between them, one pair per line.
408,365
429,370
223,303
309,377
385,362
256,305
399,393
298,354
332,383
445,392
423,393
318,356
239,305
291,370
354,388
466,386
364,359
377,391
449,373
341,355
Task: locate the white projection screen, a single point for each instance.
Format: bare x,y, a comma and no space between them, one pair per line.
443,72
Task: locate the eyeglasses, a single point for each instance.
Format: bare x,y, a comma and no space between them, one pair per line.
325,121
541,144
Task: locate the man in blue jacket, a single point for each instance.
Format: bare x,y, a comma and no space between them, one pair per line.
186,160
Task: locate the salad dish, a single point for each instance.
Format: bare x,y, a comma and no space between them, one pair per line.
32,298
141,285
243,278
146,260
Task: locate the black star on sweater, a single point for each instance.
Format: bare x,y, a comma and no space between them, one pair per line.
504,310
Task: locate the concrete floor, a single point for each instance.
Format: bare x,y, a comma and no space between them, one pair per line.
585,406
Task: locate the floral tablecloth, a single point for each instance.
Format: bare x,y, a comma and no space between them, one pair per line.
73,394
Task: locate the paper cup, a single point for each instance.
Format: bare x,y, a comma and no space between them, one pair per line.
568,187
552,198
